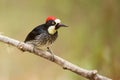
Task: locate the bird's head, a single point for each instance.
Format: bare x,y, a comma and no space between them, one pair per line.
53,24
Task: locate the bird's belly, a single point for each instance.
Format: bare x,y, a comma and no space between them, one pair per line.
44,44
38,43
42,40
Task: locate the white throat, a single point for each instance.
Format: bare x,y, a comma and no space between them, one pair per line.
51,30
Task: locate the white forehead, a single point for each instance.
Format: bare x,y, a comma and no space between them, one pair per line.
57,20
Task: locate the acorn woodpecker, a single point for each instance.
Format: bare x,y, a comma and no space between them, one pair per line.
45,34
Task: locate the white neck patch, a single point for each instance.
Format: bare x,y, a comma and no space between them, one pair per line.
51,30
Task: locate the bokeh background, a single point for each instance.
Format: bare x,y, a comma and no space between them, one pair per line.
92,40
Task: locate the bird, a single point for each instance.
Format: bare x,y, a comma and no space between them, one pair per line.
45,34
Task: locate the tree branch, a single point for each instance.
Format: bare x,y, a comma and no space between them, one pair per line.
89,74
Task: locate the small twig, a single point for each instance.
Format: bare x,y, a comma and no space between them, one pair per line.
91,75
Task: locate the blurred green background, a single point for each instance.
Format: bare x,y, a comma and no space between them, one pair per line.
92,40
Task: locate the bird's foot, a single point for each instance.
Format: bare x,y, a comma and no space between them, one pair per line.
52,54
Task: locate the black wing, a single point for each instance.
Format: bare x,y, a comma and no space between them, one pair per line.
36,31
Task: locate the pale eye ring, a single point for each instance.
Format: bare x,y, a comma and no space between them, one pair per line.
53,23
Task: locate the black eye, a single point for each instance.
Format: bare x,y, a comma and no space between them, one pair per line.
50,22
53,23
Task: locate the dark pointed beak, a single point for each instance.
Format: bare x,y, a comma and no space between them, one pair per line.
61,25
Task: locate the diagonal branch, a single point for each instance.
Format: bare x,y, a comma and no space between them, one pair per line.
89,74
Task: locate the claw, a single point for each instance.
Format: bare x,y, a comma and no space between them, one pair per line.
52,54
